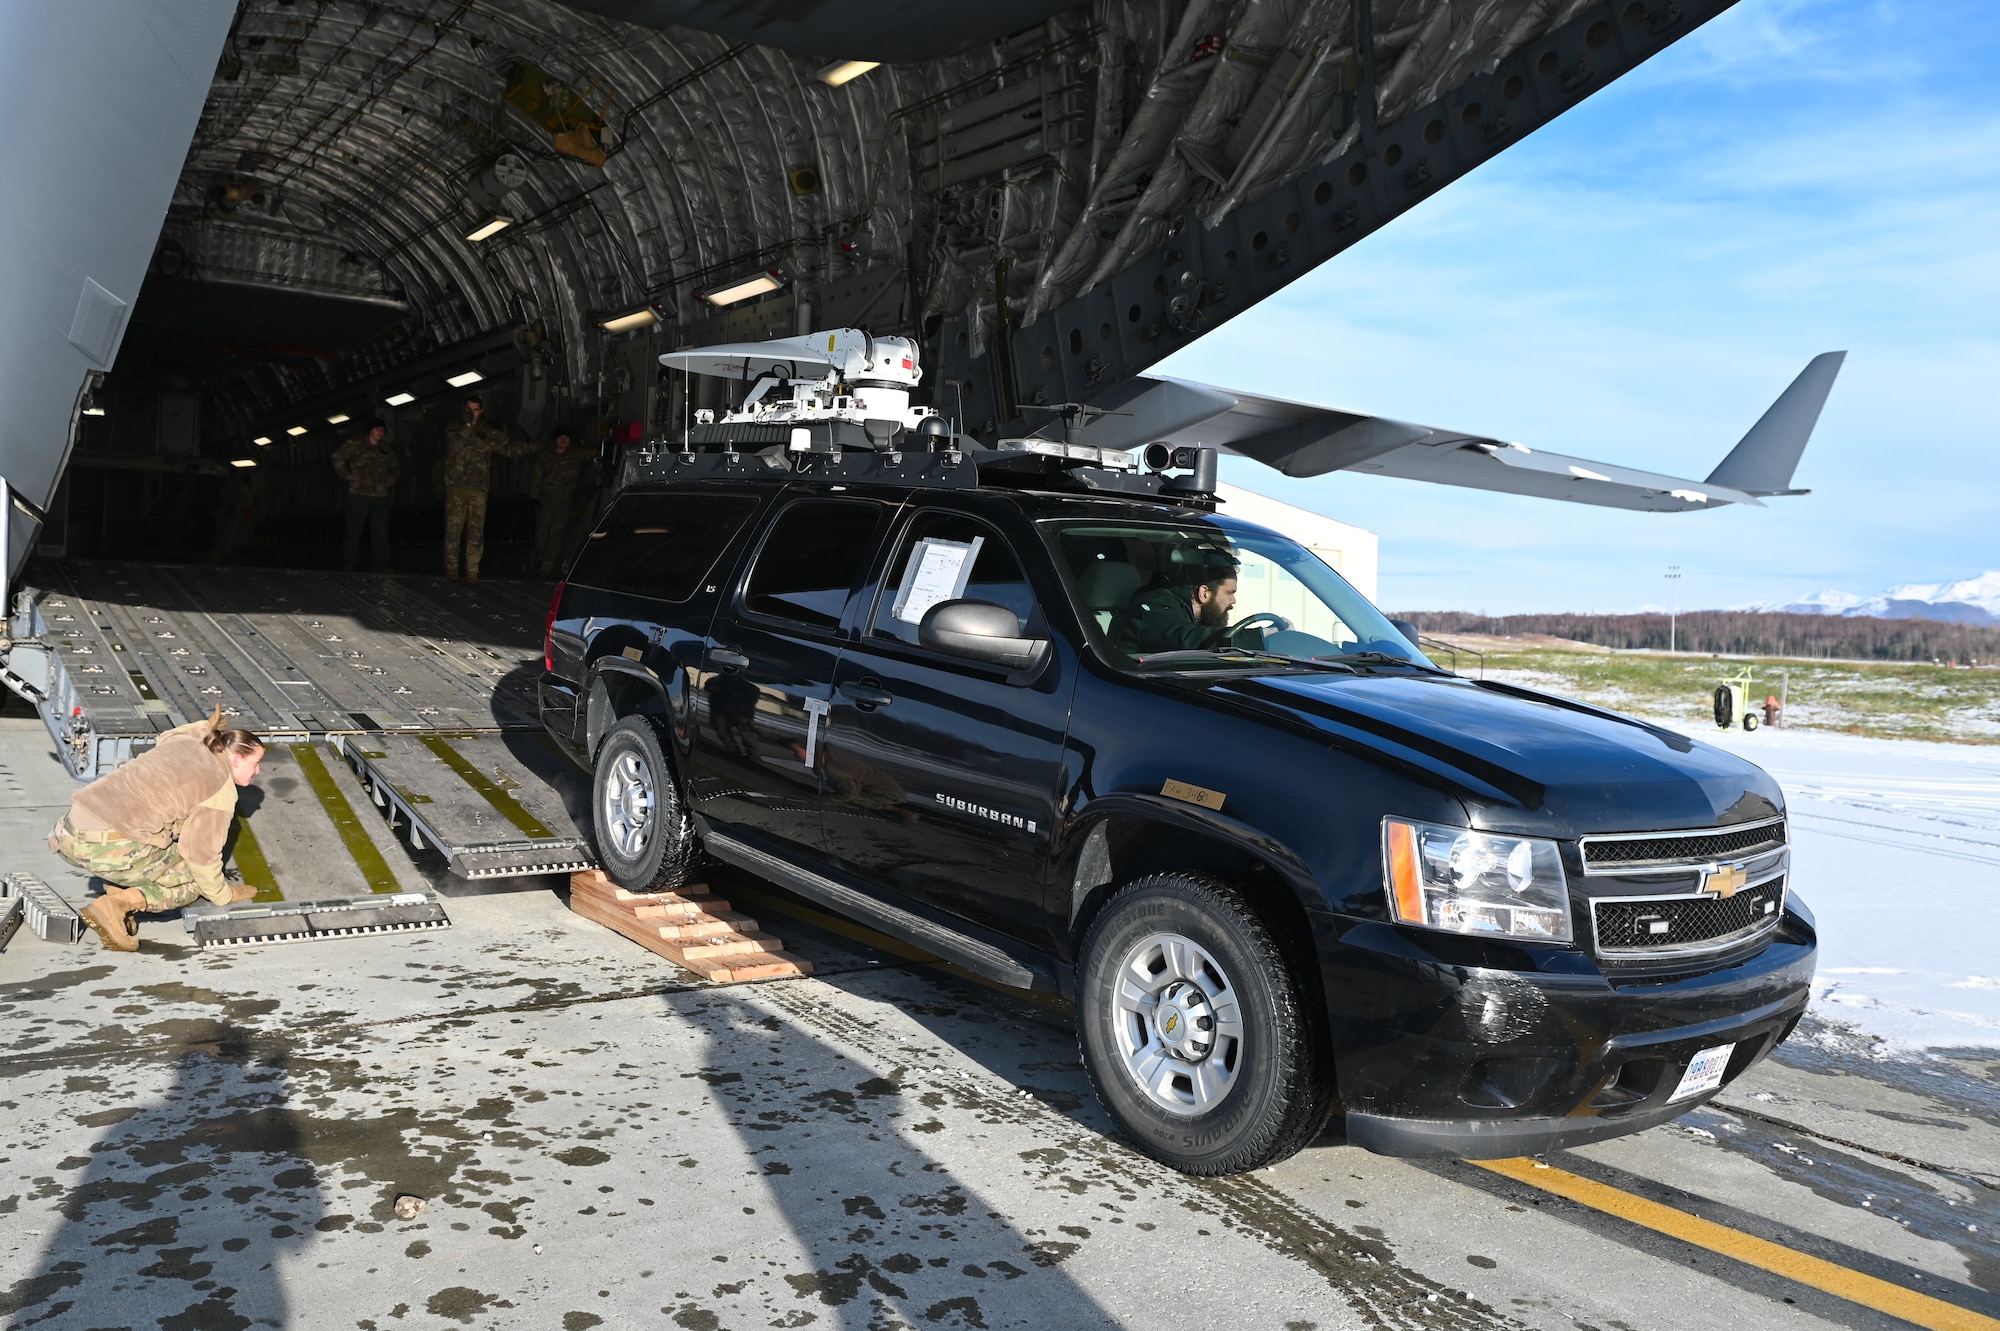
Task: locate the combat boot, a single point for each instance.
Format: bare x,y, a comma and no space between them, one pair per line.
110,916
241,892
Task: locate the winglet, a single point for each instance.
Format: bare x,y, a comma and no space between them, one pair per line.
1762,464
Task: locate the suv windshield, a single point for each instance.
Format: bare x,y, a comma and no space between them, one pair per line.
1206,596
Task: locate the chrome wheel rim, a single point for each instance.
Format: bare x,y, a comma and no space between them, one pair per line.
629,805
1177,1024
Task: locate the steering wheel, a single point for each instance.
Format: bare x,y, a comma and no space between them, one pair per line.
1263,619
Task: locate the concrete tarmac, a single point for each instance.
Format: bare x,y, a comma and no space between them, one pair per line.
218,1139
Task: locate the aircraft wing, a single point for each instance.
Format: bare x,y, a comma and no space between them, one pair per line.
1300,439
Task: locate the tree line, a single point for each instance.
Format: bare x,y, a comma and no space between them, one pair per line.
1741,633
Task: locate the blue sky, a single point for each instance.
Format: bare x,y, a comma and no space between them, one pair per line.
1637,281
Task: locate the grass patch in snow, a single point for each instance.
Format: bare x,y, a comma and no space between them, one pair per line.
1892,700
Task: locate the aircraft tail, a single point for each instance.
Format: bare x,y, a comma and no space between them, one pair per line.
1763,463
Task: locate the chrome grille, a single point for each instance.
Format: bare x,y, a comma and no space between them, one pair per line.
1667,849
1652,926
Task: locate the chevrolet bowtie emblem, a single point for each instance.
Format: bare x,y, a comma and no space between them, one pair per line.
1724,880
1172,1023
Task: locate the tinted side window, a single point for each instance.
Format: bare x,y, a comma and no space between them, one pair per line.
660,545
810,561
944,539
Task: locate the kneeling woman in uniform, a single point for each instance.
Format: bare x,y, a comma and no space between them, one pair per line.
154,829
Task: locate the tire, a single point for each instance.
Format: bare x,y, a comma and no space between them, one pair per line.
1248,1084
1750,721
1725,707
645,837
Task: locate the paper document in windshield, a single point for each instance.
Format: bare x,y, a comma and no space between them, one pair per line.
937,571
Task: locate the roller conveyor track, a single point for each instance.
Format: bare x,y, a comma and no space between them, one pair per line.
389,705
135,649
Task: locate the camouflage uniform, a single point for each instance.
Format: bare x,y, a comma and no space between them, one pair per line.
158,873
158,824
556,477
370,471
468,472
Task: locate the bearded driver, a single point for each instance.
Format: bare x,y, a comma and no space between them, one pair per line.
1192,612
154,829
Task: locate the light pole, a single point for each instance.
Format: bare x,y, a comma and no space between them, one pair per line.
1673,604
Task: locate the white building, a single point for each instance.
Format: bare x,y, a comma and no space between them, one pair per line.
1349,551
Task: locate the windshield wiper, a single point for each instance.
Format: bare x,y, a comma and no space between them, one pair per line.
1384,658
1245,654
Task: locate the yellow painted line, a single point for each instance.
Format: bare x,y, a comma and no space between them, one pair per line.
374,869
507,806
250,862
1839,1281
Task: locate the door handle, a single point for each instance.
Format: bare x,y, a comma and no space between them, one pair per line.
867,694
724,659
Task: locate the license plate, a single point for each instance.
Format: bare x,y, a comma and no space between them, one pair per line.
1704,1072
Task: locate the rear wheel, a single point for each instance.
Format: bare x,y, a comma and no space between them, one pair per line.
645,838
1193,1028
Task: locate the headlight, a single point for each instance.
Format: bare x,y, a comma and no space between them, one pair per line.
1474,882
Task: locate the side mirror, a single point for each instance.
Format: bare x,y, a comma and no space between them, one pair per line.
1407,629
980,631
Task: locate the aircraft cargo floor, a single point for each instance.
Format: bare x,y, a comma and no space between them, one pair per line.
399,713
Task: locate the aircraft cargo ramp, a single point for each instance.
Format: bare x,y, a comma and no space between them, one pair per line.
399,713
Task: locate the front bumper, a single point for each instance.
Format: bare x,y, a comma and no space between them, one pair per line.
1444,1047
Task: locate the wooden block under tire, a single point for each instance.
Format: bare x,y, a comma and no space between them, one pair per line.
728,949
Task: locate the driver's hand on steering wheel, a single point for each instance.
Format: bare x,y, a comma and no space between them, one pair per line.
1269,622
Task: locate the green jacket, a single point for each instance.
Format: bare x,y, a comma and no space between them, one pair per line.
369,469
556,474
468,454
1161,619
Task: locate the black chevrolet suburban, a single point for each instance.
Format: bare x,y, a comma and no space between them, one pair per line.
1171,765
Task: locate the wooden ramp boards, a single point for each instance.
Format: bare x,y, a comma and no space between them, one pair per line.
690,926
496,806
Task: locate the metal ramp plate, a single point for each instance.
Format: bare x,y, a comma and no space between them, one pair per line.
306,831
496,806
46,911
249,924
135,649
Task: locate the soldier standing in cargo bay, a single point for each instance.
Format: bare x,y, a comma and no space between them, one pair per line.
370,470
557,470
468,473
154,829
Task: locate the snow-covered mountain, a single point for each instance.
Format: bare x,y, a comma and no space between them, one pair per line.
1973,600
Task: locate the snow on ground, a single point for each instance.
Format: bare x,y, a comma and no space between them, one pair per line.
1896,850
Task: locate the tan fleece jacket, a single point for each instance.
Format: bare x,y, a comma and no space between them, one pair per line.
176,791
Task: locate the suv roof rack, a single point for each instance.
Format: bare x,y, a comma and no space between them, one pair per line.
835,406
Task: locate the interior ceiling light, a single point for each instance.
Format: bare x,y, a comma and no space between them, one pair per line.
400,399
242,462
261,439
644,317
338,418
93,411
742,289
465,380
296,430
492,226
845,71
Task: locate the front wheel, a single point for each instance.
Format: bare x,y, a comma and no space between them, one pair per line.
645,838
1194,1030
